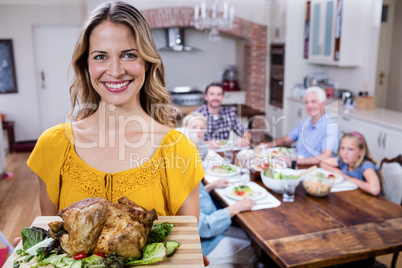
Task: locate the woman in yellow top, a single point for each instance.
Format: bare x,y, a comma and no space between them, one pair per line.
121,142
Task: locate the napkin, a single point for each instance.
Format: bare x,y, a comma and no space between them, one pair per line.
343,186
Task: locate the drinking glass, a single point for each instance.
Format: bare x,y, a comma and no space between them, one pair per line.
289,189
244,176
293,157
228,156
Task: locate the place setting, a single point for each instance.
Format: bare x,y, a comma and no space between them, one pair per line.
241,186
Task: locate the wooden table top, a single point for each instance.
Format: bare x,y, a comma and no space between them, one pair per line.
316,232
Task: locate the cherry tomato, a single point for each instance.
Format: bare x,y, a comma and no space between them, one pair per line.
331,176
80,256
100,254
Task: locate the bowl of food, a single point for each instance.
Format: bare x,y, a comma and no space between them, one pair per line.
317,186
274,178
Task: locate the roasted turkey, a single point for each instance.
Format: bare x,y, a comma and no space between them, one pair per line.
98,225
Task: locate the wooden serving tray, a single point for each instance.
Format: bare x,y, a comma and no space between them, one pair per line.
185,231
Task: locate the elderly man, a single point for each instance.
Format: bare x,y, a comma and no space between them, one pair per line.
317,136
221,119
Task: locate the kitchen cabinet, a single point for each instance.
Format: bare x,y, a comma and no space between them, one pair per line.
333,34
382,141
295,113
347,123
276,122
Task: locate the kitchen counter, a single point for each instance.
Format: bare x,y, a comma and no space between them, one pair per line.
383,117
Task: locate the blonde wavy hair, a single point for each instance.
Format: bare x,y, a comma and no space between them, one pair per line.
191,117
154,97
362,145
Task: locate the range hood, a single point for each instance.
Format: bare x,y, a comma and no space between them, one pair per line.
175,41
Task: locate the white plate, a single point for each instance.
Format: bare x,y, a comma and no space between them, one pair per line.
268,152
229,192
339,178
210,172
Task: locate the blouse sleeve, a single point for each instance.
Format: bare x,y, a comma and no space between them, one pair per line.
183,169
48,157
367,165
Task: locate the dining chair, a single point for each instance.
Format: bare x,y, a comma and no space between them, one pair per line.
391,170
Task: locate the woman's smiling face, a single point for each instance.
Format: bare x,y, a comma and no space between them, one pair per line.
116,70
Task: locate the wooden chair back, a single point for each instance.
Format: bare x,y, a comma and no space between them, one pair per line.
397,159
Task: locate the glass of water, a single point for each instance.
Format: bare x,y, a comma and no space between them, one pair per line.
289,189
244,176
228,156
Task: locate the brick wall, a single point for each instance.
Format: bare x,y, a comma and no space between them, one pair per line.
255,54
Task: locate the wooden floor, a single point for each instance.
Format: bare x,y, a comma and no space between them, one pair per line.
19,201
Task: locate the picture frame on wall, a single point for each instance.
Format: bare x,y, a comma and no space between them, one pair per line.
8,79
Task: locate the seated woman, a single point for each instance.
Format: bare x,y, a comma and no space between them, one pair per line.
221,242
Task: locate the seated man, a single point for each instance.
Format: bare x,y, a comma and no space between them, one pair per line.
317,136
221,119
221,242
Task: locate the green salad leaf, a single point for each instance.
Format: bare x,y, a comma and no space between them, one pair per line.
33,235
243,188
159,232
229,168
150,254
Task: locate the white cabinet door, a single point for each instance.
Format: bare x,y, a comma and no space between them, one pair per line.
322,30
335,36
392,143
295,113
348,124
373,134
276,121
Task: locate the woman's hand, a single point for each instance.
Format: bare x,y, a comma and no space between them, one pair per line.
16,241
205,259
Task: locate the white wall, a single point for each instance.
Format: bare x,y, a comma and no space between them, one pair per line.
22,107
198,68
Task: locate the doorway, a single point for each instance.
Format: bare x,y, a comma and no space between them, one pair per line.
389,64
54,46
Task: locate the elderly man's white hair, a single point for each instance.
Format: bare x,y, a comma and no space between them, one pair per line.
319,91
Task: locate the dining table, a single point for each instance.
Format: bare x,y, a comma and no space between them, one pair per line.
342,228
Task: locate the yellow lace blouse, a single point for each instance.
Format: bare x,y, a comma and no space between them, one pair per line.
162,183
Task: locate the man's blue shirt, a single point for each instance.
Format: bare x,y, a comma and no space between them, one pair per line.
312,140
